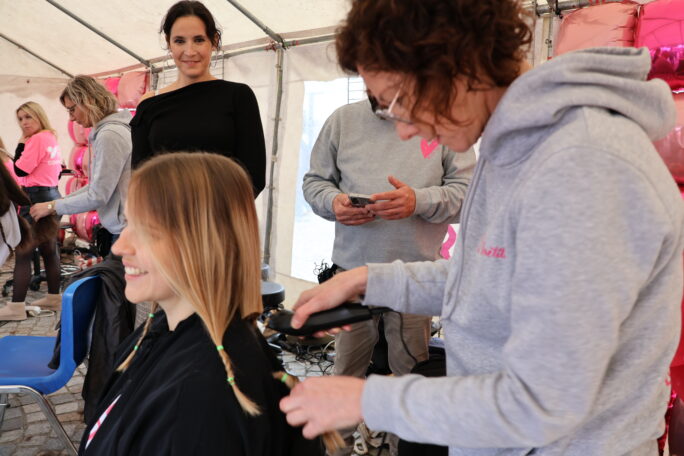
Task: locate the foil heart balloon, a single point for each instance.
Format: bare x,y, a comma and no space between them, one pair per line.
610,24
78,160
112,84
661,29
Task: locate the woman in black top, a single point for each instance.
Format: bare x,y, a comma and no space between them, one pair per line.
198,378
199,112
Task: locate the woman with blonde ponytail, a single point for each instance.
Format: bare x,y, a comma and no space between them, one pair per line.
197,378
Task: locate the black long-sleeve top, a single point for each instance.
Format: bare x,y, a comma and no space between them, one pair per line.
175,400
212,116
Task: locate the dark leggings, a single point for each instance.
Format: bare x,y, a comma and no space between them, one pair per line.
22,270
48,250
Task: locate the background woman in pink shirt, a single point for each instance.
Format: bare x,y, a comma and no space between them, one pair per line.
37,162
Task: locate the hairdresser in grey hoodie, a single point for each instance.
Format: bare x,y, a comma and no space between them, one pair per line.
560,306
91,105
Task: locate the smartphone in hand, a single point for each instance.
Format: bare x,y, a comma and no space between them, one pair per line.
359,200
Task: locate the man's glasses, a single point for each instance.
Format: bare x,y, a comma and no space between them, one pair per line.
387,114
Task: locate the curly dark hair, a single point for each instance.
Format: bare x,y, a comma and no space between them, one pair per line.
191,8
432,43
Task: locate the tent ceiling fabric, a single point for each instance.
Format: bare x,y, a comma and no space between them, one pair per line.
53,35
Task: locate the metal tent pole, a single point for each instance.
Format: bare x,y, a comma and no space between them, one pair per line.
35,55
274,155
93,29
274,36
554,7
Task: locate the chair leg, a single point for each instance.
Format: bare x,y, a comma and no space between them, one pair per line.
52,418
4,403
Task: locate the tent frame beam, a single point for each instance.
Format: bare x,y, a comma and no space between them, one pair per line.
268,31
25,49
557,6
98,32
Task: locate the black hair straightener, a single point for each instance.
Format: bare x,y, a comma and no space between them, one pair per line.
341,315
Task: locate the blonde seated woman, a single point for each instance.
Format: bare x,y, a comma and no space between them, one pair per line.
198,377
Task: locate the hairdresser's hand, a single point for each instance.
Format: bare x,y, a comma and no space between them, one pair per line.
347,214
329,294
40,210
396,204
323,404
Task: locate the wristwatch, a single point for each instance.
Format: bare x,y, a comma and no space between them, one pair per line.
51,205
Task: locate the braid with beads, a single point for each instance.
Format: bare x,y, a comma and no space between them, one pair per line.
127,362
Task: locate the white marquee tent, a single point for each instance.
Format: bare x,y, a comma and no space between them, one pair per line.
43,42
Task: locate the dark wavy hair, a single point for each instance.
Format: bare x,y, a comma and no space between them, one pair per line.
191,8
431,43
43,230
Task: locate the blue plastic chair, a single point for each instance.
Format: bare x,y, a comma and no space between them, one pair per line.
24,359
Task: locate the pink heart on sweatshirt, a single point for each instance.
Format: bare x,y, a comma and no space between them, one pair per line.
428,147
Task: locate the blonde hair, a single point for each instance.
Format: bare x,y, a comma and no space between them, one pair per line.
36,111
204,203
96,100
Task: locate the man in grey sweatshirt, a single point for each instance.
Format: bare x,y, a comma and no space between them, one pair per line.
418,190
561,306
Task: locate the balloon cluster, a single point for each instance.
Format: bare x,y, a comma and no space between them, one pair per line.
659,26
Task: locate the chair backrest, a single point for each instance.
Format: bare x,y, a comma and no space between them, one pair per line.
78,308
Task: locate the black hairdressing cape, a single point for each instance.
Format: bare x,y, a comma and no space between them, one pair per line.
175,399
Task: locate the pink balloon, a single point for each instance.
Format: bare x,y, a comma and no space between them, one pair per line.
85,164
70,127
85,223
610,24
80,134
112,84
74,183
661,29
78,160
671,148
131,87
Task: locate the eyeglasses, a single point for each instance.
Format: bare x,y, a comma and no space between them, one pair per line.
387,114
71,109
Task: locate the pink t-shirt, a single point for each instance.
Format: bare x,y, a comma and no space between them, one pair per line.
41,160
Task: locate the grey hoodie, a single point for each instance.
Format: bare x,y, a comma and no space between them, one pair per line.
110,171
561,306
